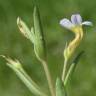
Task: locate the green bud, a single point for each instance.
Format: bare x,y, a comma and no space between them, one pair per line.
25,30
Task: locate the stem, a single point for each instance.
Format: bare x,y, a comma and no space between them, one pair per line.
49,79
64,69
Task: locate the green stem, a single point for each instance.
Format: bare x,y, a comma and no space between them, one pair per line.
64,70
49,79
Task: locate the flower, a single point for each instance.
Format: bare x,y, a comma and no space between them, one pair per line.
76,20
74,25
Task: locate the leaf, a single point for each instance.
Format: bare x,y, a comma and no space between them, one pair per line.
37,24
60,89
76,60
39,45
72,67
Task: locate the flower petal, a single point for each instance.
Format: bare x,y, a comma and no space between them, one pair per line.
76,19
87,23
66,23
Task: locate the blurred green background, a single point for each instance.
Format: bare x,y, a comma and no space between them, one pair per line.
13,44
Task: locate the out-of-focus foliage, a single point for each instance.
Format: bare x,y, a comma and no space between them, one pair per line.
12,43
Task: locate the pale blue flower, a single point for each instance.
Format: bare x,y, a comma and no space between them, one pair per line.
76,20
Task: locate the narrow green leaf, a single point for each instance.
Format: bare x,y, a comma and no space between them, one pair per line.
37,24
39,45
76,60
60,89
72,67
